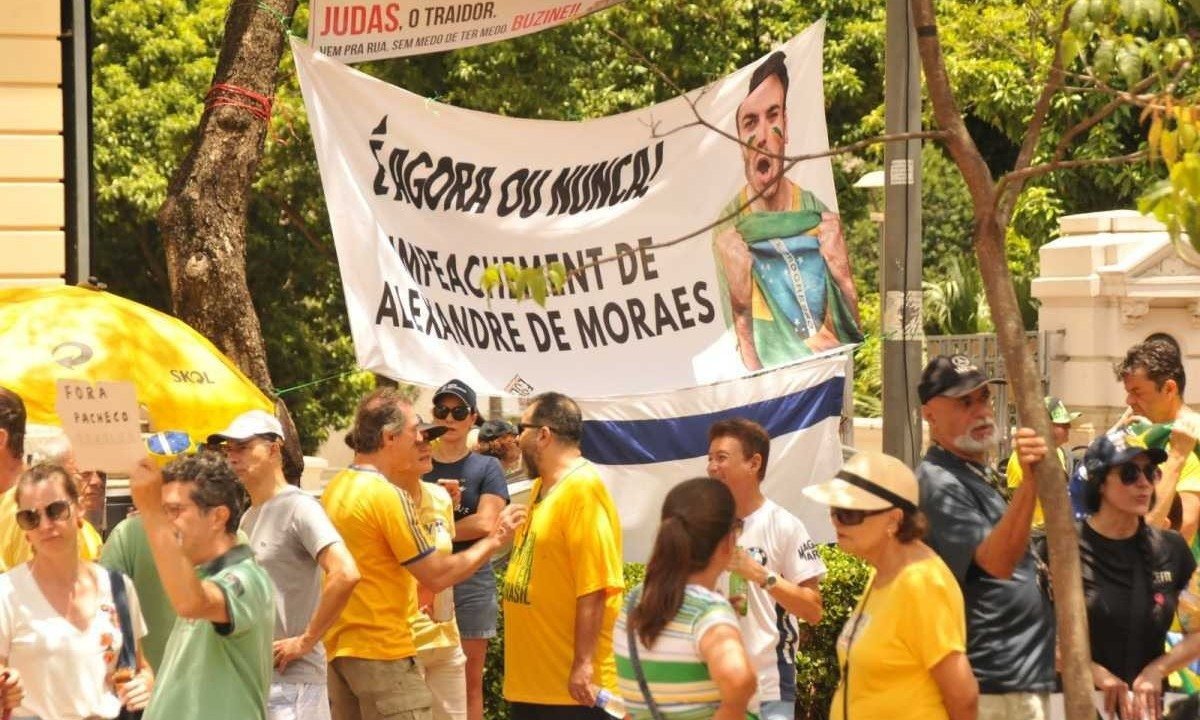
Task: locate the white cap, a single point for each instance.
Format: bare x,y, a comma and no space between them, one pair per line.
249,424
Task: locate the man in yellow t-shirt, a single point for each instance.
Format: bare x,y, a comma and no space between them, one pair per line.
562,589
373,671
1060,420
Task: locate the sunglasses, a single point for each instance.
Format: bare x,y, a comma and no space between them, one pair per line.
1130,472
847,516
459,413
31,519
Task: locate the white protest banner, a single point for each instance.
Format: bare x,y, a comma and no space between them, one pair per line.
358,30
423,197
102,423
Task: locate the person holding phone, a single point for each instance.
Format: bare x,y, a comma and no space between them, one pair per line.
1133,574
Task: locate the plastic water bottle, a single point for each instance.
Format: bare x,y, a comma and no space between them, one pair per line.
612,704
738,595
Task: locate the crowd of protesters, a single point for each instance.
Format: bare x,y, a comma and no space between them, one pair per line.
231,593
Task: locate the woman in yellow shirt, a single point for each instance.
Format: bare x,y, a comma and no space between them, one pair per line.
903,649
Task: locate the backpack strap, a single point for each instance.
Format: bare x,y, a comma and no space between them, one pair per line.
128,656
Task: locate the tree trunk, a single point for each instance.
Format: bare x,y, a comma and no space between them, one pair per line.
1025,386
203,220
989,235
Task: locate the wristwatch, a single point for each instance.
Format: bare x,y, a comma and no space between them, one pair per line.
769,581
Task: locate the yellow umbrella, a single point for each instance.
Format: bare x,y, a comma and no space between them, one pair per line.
184,382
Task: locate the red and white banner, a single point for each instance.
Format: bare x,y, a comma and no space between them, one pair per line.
357,30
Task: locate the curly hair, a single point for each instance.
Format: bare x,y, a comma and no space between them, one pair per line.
214,484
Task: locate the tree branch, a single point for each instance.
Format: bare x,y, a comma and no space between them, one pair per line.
1089,122
949,118
1007,198
1050,167
790,162
297,221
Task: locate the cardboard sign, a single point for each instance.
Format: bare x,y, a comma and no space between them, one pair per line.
102,423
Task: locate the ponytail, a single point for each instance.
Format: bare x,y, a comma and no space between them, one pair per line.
666,577
696,516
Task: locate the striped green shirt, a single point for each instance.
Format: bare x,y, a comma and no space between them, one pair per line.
675,672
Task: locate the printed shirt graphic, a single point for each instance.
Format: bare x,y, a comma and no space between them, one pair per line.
906,628
221,670
793,292
64,670
436,514
778,539
675,672
569,547
379,525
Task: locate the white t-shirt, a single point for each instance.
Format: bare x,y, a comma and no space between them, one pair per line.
64,670
777,539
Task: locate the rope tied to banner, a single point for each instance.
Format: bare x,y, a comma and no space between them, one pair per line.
318,381
227,95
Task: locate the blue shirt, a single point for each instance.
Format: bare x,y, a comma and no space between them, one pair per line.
478,475
1010,623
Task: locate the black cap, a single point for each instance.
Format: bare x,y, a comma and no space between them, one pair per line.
430,431
1116,448
951,376
462,391
493,429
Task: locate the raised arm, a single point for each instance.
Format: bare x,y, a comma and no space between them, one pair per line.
1003,548
191,597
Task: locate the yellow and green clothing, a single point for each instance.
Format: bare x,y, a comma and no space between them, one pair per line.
569,546
382,531
1015,477
436,514
674,669
792,291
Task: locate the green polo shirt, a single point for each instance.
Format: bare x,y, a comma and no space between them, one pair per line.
221,670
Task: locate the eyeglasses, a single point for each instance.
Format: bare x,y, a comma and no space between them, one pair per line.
459,413
847,516
31,519
174,510
228,446
1130,472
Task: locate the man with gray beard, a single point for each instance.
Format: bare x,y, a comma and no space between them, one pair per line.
984,539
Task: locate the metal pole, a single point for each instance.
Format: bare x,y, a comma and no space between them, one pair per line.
901,256
77,137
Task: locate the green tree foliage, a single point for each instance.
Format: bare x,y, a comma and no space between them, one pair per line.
152,64
153,61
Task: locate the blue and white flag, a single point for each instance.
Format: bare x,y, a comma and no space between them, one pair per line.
646,444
